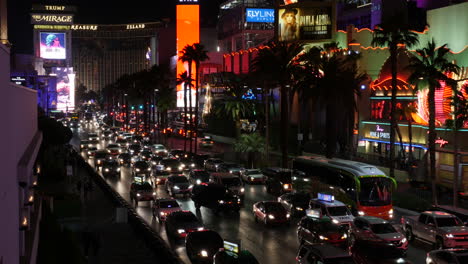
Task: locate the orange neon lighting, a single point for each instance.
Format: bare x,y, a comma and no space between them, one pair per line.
187,33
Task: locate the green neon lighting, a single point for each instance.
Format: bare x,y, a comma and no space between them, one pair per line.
419,126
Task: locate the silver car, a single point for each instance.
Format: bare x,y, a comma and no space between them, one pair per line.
253,176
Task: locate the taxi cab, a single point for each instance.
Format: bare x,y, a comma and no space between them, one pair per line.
336,210
313,229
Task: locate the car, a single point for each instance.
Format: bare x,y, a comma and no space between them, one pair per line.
177,153
114,149
160,178
107,134
159,150
233,168
212,164
163,207
99,157
377,230
278,180
134,148
180,223
206,143
450,255
322,253
93,136
178,184
91,151
336,210
146,155
197,176
368,252
321,230
122,142
200,159
171,165
141,191
155,160
252,176
111,167
243,257
84,144
141,167
125,158
201,246
187,162
230,181
270,212
216,197
295,202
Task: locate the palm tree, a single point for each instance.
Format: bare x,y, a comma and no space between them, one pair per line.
200,54
185,79
278,59
186,55
250,144
429,69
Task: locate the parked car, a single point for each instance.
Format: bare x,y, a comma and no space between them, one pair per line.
216,197
201,246
295,202
270,212
278,180
445,256
163,207
141,192
252,176
180,223
377,230
178,184
322,253
206,143
369,252
439,228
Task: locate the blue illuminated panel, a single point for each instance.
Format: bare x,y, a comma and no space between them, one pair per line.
326,197
260,15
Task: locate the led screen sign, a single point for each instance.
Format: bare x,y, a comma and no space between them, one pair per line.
257,15
52,45
52,19
65,88
304,23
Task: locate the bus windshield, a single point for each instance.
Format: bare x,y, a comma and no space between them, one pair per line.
375,191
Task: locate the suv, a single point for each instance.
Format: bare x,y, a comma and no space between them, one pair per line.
230,181
278,180
197,177
215,196
231,168
180,223
142,192
321,230
178,184
322,253
111,167
212,164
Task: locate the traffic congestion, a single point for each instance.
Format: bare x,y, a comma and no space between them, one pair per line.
210,210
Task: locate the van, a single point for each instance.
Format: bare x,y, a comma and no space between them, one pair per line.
230,181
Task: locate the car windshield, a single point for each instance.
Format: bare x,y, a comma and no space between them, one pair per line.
338,210
159,147
144,187
141,164
448,221
274,207
121,141
375,191
168,204
231,181
252,172
179,179
147,153
202,175
101,155
186,218
170,163
112,146
384,228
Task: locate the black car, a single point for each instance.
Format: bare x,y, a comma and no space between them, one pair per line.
146,154
99,157
200,159
111,167
134,148
368,252
216,197
296,202
180,223
188,163
321,230
243,257
178,184
155,159
125,159
142,192
197,177
278,180
201,246
450,255
322,253
177,153
141,168
212,164
233,168
171,165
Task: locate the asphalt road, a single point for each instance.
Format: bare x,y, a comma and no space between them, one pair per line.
273,245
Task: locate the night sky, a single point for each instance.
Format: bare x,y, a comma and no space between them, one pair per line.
99,12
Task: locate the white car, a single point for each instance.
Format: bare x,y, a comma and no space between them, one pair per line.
253,176
159,149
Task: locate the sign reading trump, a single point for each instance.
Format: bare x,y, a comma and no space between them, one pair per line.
52,45
257,15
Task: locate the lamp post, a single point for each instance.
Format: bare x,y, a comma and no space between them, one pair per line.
126,111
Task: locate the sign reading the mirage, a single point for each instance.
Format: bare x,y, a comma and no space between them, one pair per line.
380,132
51,19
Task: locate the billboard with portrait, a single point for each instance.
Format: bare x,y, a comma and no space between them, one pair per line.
65,88
52,45
304,23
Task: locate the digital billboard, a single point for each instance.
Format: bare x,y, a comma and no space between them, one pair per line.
288,2
304,23
52,45
65,88
258,15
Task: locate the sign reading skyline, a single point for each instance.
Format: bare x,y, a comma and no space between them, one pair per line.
258,15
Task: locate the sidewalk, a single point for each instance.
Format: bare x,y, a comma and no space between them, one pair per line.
116,242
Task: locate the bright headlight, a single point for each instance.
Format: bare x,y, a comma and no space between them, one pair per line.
192,165
286,186
242,190
180,231
181,167
153,162
138,194
107,170
149,169
288,215
360,213
299,209
198,181
168,168
449,235
404,240
271,216
89,152
137,169
190,186
176,187
221,201
335,221
294,178
323,238
118,169
390,211
204,253
200,229
154,193
344,236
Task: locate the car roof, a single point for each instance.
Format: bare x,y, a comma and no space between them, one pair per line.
438,214
335,203
327,250
224,175
371,219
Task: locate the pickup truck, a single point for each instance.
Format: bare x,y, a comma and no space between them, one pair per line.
441,229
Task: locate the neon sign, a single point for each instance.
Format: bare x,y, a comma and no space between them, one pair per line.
379,133
442,142
326,197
